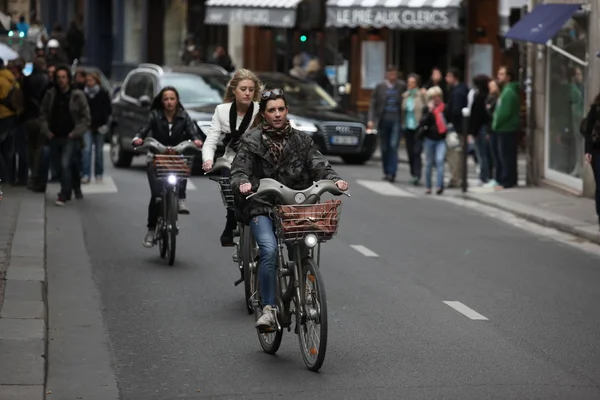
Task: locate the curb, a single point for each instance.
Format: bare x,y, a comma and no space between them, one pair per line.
24,312
549,220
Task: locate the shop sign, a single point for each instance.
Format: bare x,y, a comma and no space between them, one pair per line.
399,18
284,18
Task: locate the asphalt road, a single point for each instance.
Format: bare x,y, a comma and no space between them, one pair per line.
183,332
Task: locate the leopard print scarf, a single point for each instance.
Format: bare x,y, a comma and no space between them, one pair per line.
275,139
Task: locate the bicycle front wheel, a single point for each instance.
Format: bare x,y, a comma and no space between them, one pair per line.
312,332
171,231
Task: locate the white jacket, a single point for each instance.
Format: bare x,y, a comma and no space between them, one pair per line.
218,126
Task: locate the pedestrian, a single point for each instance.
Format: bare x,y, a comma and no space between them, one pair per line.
490,106
8,122
385,112
456,101
65,116
34,89
20,167
478,122
591,133
506,124
413,107
433,128
75,41
100,110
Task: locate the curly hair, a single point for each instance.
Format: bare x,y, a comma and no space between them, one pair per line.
240,75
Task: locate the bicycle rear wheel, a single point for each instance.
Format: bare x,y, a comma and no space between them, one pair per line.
312,332
247,258
171,228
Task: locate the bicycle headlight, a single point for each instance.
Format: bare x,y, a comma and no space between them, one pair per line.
172,179
310,240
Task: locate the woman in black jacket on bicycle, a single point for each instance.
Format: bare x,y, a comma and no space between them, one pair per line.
169,124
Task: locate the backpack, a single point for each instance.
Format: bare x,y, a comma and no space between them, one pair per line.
14,100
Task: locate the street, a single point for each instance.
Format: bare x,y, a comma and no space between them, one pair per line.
427,300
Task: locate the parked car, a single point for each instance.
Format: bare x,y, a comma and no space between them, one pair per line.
200,90
314,111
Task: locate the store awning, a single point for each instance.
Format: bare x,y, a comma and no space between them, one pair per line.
275,13
542,23
394,14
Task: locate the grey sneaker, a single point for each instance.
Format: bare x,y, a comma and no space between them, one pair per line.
182,207
267,320
149,238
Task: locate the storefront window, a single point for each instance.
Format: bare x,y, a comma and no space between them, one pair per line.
567,94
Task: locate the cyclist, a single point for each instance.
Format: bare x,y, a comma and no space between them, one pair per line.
233,117
170,124
274,150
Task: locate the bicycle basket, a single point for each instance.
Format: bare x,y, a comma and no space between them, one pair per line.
226,191
294,222
178,165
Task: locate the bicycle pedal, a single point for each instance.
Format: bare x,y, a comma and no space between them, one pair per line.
238,281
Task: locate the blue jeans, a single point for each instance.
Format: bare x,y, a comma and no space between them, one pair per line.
63,149
389,136
435,151
482,149
262,229
91,140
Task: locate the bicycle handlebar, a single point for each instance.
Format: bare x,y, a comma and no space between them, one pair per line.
290,196
155,147
219,165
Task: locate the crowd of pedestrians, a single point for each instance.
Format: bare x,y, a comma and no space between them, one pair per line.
430,118
52,120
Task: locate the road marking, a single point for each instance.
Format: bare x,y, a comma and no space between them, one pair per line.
466,311
190,185
363,250
385,188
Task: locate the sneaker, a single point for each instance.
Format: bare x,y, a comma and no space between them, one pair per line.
99,178
60,201
227,238
78,194
182,207
149,238
267,320
85,180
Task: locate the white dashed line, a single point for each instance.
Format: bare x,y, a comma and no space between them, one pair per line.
466,311
363,250
385,188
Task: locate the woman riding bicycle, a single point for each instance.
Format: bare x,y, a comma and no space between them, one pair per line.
233,117
274,150
169,124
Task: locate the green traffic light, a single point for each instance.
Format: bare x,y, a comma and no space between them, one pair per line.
303,38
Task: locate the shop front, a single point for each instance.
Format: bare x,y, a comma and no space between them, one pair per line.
415,35
561,32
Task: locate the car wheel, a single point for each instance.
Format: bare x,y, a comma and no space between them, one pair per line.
119,157
357,159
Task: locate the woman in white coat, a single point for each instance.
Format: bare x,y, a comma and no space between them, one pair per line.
232,118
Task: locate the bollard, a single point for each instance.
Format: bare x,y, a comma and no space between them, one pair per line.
466,113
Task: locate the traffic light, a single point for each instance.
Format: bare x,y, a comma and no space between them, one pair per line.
303,38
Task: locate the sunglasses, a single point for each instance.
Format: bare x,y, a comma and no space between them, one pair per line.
271,94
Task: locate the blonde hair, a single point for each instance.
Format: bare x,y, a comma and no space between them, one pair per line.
434,91
96,77
241,75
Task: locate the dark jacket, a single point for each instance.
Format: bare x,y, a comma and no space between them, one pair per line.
428,127
479,114
301,165
34,89
158,126
80,112
100,109
457,100
378,99
591,119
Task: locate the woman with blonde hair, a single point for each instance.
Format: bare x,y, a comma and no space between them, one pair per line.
233,118
433,128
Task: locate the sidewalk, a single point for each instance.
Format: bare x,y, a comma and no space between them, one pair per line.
22,295
545,206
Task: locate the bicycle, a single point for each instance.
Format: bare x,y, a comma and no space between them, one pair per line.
172,166
246,251
302,222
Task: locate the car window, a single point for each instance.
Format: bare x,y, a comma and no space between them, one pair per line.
298,93
196,90
135,86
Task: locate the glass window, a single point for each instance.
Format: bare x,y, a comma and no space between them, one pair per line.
298,93
567,95
135,86
196,90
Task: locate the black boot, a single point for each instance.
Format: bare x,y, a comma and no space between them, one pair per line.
227,235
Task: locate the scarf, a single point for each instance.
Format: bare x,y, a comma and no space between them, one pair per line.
440,120
91,92
275,139
236,133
